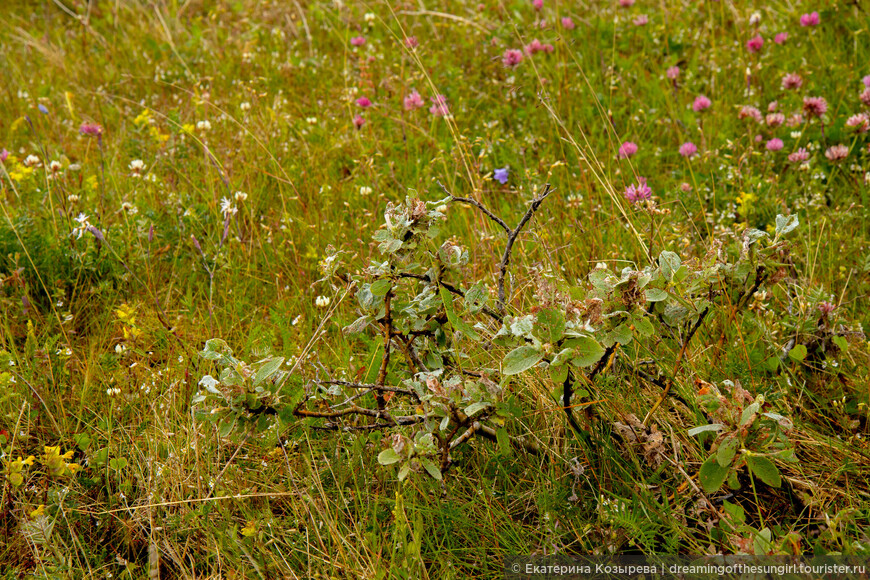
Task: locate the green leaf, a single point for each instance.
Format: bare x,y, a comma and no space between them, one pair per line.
381,287
503,440
215,348
735,512
454,319
733,481
82,440
752,235
655,295
785,224
549,325
726,451
226,425
118,463
558,373
798,353
101,456
644,327
374,363
388,456
269,368
748,414
520,359
403,472
841,343
431,468
587,351
764,469
761,543
621,334
357,325
476,297
705,428
474,408
669,262
712,475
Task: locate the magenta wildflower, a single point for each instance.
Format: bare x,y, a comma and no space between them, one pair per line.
826,308
772,106
641,20
688,149
92,129
774,144
4,155
538,4
673,72
792,81
637,192
568,24
411,42
837,153
775,119
537,46
413,101
512,57
799,156
685,187
859,122
363,103
358,40
811,19
439,106
815,106
359,121
754,44
626,3
627,149
701,103
781,37
748,112
865,97
866,81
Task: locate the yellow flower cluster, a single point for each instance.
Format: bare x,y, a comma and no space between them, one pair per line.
144,119
55,463
126,315
746,203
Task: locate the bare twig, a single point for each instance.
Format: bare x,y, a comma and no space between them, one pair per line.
368,386
512,237
479,206
512,233
388,330
475,427
677,365
355,410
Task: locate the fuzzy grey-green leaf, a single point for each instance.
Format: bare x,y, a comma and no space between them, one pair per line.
520,359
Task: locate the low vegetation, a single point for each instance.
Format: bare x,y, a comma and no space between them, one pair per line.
395,290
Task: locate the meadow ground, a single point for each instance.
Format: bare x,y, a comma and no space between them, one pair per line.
309,289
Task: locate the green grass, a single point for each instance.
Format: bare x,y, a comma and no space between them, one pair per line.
130,304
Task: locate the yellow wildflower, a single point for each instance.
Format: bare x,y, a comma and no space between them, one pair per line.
143,118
